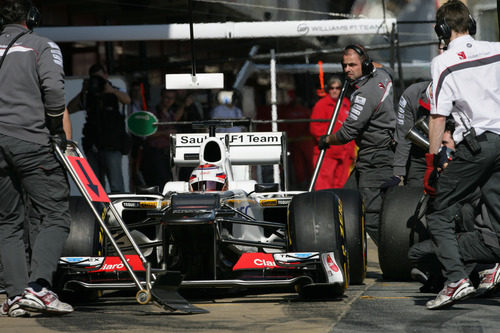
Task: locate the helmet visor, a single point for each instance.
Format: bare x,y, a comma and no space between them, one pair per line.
207,185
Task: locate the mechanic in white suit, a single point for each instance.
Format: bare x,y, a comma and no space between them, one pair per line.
465,85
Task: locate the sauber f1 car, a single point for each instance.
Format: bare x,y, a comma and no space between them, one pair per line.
220,229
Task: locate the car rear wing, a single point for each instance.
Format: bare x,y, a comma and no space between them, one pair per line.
243,148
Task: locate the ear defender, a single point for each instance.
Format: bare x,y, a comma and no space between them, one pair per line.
33,17
443,31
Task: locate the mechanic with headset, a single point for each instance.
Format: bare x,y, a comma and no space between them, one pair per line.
471,217
409,158
338,160
31,118
371,123
465,86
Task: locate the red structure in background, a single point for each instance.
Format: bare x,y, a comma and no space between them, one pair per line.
300,141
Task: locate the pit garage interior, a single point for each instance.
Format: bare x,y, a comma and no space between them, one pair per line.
405,42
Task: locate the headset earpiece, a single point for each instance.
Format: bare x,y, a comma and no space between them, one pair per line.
472,26
366,64
33,17
443,31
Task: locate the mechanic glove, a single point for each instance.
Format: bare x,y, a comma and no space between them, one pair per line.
55,126
444,156
431,173
391,182
322,144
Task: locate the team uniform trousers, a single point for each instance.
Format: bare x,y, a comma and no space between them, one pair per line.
371,171
416,171
455,183
34,168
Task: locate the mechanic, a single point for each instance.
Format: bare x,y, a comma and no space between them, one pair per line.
464,85
31,118
338,160
208,178
371,123
409,159
426,267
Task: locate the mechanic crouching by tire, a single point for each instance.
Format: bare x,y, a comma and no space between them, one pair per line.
464,85
31,119
371,123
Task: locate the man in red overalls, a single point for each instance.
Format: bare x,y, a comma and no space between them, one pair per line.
338,159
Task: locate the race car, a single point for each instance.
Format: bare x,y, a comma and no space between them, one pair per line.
223,229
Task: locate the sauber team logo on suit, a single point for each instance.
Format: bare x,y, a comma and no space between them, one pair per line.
462,55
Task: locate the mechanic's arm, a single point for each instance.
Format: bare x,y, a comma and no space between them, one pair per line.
51,73
437,124
123,97
404,122
359,115
67,125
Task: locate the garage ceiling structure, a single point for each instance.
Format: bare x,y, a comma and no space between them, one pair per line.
126,57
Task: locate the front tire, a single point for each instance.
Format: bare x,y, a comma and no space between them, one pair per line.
355,233
315,224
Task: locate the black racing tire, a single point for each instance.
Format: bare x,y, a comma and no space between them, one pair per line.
85,237
355,233
401,226
84,240
315,224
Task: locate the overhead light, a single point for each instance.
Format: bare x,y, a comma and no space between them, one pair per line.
198,81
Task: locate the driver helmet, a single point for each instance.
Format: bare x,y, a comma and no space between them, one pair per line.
208,177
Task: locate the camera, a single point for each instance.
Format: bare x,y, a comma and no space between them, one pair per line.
96,85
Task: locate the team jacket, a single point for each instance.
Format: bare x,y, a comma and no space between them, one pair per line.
413,105
372,120
31,84
466,85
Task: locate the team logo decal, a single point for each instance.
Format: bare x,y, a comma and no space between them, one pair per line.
255,261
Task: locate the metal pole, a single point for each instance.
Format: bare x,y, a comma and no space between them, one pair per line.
329,131
274,110
191,37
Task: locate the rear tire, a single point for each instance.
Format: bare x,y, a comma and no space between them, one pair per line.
400,228
316,225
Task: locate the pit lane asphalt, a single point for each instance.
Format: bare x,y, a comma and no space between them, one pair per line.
376,306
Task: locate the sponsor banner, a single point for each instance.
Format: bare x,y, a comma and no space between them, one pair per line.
332,269
88,179
113,264
82,261
295,258
255,261
234,139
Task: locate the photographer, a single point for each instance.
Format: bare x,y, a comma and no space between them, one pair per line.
104,135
